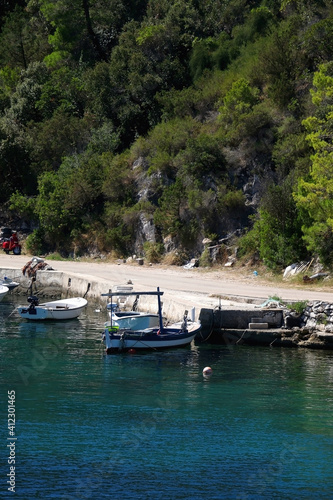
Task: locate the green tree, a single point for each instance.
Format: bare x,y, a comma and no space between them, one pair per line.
100,92
15,166
87,30
120,217
278,62
315,193
306,8
318,43
238,103
53,216
60,136
173,216
202,57
118,185
24,98
72,27
280,234
201,157
169,214
256,24
63,91
70,199
17,39
165,142
146,62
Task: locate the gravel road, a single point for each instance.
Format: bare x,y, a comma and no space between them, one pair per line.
206,285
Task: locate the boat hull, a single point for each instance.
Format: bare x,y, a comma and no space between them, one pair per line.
3,291
124,340
55,310
9,283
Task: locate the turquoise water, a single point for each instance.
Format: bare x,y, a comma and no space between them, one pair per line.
150,426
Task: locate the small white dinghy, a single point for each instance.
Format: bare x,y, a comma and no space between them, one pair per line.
9,283
57,309
3,291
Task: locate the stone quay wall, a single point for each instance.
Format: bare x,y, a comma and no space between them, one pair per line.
312,328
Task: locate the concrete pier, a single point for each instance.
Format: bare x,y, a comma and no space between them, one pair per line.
238,327
57,284
223,322
236,318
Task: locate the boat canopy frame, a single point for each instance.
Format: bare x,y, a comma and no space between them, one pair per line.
157,293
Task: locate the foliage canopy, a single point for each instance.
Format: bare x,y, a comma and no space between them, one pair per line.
133,127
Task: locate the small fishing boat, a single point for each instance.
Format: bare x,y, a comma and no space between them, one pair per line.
119,339
56,310
3,291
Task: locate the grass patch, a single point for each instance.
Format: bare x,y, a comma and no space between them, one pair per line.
298,307
57,256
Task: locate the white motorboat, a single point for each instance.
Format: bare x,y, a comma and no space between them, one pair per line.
9,283
56,310
3,291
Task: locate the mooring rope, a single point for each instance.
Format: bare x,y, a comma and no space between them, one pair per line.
241,336
211,328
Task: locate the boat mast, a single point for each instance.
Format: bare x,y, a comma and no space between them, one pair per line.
160,309
111,312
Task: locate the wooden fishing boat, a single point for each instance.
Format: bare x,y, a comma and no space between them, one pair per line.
119,339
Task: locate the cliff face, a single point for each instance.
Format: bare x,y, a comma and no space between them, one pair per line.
248,173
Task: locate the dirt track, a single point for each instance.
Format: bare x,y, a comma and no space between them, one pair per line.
225,282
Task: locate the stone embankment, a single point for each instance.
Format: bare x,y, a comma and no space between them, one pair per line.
228,322
270,326
314,327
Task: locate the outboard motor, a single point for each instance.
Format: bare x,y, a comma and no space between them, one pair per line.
33,300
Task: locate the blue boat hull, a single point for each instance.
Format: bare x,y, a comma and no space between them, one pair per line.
123,340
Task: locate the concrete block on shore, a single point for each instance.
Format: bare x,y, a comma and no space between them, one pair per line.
258,326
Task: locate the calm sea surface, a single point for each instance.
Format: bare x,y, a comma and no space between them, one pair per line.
150,426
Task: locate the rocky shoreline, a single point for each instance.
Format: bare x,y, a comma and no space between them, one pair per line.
314,327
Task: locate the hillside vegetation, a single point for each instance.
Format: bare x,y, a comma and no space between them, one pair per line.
155,126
